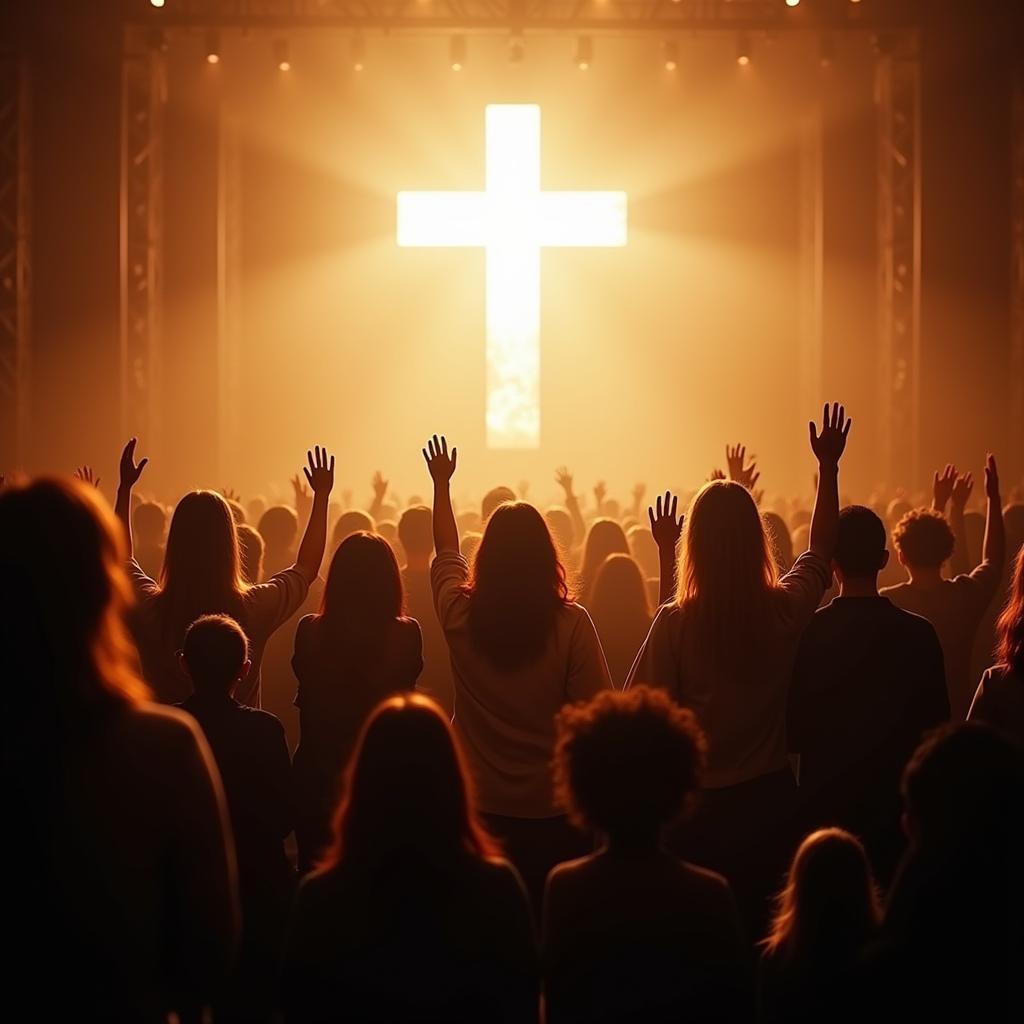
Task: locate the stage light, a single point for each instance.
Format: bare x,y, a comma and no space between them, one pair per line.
358,52
282,55
156,3
213,47
584,53
742,49
671,53
457,52
792,3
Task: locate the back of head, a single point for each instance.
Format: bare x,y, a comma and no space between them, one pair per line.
363,594
416,532
560,524
645,550
237,511
250,551
62,554
780,539
829,906
215,651
923,538
469,521
492,499
149,522
352,521
1010,626
605,537
619,594
278,527
628,762
517,589
896,510
407,793
860,543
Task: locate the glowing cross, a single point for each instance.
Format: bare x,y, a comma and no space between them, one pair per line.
512,220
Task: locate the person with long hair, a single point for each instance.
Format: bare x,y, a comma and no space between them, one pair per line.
411,915
202,575
826,915
725,647
520,649
122,897
999,700
604,538
621,613
357,650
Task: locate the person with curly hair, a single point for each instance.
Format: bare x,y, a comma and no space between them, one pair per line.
630,931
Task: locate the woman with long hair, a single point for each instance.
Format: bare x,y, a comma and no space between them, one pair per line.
725,648
999,700
520,649
202,575
125,872
357,650
604,538
825,916
411,915
621,613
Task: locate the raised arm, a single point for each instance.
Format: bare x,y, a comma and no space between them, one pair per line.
666,529
994,549
564,480
960,492
320,475
441,466
128,476
828,447
380,490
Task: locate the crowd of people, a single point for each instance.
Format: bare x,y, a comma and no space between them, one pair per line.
503,763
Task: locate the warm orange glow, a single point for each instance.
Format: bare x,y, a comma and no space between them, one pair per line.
213,58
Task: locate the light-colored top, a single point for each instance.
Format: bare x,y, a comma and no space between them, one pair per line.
743,713
999,701
505,720
263,608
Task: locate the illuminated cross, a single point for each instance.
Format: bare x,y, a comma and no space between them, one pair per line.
512,220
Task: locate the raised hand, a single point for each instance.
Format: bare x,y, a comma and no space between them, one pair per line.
230,494
716,474
829,445
84,473
440,464
991,479
129,470
380,486
736,457
320,472
664,526
301,495
564,480
961,493
600,493
942,487
639,490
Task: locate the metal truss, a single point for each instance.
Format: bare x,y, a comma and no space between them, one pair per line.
142,106
15,268
898,98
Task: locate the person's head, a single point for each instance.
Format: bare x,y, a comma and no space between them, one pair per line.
388,529
517,587
407,793
860,552
627,763
350,522
1010,626
254,509
149,524
605,537
250,551
62,552
492,499
780,540
896,510
560,524
416,532
619,594
829,906
923,539
644,549
470,544
215,655
278,527
363,594
237,511
468,521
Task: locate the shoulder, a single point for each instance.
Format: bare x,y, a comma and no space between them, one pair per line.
706,880
260,721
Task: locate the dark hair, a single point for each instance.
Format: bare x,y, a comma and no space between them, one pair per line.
924,538
560,524
1010,626
250,552
415,530
605,537
407,791
627,762
350,522
215,649
278,526
363,594
492,499
860,542
517,587
781,541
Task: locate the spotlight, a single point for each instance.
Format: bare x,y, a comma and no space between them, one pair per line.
358,52
213,47
584,52
282,55
516,50
792,3
742,49
156,3
457,52
671,54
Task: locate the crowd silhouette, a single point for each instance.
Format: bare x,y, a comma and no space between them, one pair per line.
749,759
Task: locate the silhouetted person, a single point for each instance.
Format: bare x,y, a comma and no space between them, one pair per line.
278,526
358,650
725,648
202,576
631,932
416,532
999,700
621,614
149,529
250,553
411,916
520,649
252,757
350,522
924,541
825,917
492,499
121,895
605,537
781,541
868,683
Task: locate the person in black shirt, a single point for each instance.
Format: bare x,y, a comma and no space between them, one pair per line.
252,755
868,682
